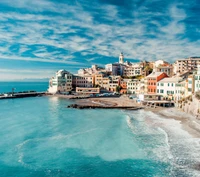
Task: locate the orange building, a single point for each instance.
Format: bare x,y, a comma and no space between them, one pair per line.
152,80
123,84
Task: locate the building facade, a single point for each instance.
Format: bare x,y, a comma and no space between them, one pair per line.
189,64
116,69
132,70
171,88
168,69
152,80
62,82
83,81
84,90
133,86
197,80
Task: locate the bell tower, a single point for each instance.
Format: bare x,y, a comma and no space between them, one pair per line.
121,58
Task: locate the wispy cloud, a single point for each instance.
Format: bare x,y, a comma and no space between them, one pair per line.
80,32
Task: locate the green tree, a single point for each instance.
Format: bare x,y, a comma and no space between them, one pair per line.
118,88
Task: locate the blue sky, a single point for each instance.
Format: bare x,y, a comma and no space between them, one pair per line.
38,37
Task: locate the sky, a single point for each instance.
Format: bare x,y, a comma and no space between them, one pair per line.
39,37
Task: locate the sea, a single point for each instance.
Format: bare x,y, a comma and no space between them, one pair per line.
41,137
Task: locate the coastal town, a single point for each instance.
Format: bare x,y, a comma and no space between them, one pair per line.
153,84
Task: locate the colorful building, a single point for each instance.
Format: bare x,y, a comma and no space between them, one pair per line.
123,85
152,80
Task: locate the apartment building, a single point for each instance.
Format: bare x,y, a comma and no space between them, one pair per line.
168,69
133,86
152,80
116,69
197,80
113,83
188,64
172,88
132,70
83,81
62,82
123,85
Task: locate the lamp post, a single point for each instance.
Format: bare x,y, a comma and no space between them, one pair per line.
13,89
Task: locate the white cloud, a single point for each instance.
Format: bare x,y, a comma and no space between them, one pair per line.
75,30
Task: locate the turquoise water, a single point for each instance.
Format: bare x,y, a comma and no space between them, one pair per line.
23,86
41,137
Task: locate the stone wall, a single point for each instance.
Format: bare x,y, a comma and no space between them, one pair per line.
190,105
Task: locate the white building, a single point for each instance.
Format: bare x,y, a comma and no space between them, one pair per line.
197,80
132,70
173,88
159,62
62,82
115,68
133,86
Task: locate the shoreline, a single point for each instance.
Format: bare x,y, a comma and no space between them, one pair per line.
189,122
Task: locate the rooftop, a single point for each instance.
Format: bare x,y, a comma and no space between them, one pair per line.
190,58
154,74
171,79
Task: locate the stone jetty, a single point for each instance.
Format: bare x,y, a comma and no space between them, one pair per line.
76,106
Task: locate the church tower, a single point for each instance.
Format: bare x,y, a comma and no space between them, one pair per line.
121,58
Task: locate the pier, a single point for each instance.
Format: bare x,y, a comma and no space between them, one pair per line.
76,106
22,95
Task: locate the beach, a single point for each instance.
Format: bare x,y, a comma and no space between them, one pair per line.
188,121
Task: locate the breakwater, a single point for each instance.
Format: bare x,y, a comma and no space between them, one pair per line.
85,97
22,95
76,106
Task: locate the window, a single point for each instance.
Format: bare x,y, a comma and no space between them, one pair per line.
168,84
157,90
161,91
162,84
172,84
158,84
